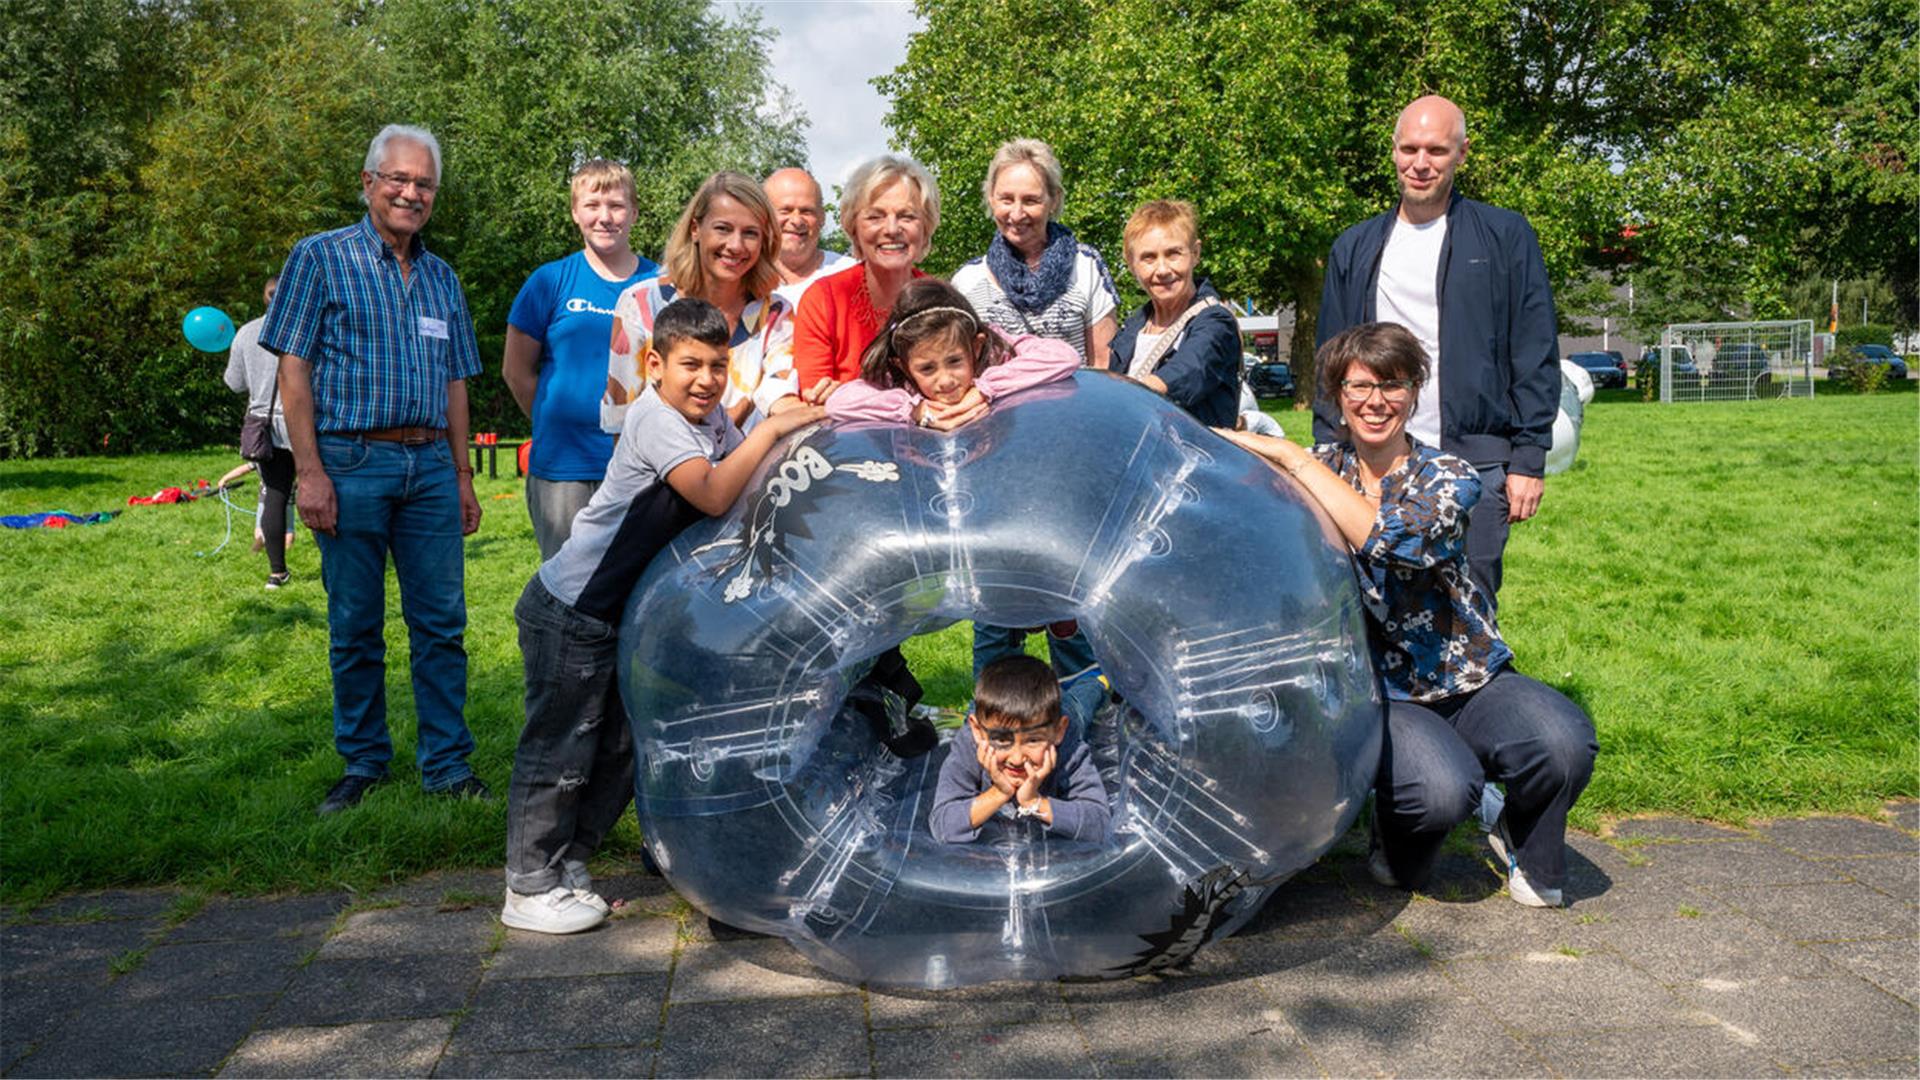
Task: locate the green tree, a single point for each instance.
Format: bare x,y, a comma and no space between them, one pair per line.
1274,117
1746,144
520,92
1140,104
1800,156
259,146
156,155
79,83
180,158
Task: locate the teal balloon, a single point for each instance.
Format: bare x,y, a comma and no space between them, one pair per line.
208,329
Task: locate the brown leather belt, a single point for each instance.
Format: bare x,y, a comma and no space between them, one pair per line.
409,436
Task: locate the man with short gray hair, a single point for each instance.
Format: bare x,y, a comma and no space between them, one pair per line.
376,344
799,208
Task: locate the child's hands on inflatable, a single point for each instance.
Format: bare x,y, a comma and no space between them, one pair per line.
971,406
793,418
817,394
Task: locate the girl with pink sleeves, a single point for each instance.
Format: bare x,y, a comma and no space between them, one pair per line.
937,365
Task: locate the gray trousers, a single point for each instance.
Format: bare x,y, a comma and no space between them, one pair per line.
552,504
573,769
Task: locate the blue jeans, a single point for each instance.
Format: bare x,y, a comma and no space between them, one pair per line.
403,501
1487,530
573,771
1513,730
1072,660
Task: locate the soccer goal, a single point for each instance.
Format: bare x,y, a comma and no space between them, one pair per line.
1736,361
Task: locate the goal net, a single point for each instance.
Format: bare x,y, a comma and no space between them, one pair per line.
1736,361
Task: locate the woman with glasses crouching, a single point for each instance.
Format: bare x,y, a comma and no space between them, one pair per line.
1458,713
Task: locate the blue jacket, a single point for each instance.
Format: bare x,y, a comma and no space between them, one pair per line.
1499,343
1202,371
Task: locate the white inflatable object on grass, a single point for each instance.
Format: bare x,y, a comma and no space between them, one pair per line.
1576,389
1221,605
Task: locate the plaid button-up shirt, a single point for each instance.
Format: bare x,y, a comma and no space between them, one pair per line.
382,348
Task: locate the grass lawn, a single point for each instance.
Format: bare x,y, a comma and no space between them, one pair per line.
1729,589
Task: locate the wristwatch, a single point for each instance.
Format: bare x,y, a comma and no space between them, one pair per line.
1032,809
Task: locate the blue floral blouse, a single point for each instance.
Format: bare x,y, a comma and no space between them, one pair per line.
1435,634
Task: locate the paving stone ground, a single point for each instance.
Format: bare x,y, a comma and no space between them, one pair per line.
1791,948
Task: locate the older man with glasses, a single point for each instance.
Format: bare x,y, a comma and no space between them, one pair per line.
376,344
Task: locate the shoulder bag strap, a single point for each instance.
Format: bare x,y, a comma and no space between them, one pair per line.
1145,365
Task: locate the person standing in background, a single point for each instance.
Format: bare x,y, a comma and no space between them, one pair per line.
1469,281
1036,278
1183,343
253,371
722,250
556,354
799,207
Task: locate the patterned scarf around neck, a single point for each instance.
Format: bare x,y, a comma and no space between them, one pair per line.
1033,290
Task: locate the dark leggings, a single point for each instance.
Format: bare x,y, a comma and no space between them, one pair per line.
276,487
1513,730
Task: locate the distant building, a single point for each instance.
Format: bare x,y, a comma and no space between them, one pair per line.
1608,332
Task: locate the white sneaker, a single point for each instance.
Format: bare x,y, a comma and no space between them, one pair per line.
574,876
1518,887
1524,893
1498,840
1382,873
555,911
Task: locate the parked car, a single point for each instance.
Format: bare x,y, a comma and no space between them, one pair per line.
1880,354
1740,361
1607,368
1685,372
1273,379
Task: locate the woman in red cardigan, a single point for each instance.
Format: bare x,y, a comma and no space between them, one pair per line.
890,210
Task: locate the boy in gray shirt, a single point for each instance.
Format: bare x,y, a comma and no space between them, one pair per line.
1015,759
678,457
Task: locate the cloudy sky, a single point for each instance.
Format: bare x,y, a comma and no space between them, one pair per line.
824,53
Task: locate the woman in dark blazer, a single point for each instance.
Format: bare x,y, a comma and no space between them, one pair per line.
1183,342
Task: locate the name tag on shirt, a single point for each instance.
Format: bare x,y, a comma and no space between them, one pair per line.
433,328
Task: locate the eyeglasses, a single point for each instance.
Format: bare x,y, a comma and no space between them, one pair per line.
1393,391
401,181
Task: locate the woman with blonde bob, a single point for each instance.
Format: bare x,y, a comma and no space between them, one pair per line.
1183,342
1036,278
889,211
723,251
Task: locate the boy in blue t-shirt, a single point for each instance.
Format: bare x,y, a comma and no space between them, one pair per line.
555,361
679,457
